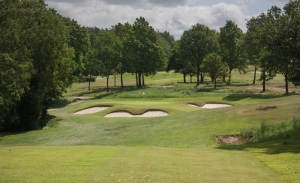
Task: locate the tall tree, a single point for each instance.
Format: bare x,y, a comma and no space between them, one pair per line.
144,50
214,65
196,43
282,39
79,40
256,46
123,31
167,41
108,45
35,37
232,47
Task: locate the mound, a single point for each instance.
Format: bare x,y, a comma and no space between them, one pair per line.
124,114
91,110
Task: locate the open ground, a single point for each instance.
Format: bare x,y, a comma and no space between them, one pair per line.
179,147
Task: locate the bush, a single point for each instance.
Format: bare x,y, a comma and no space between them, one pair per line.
286,130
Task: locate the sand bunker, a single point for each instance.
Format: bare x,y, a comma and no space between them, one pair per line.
211,106
91,110
214,106
124,114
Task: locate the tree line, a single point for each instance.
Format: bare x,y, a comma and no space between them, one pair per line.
42,53
270,43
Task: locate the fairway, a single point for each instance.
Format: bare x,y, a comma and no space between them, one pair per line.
179,147
130,164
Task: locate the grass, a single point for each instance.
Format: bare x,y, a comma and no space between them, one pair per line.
285,130
177,148
129,164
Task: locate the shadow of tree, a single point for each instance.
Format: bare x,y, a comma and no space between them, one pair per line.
44,121
237,97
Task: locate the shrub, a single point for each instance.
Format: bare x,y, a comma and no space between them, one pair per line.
286,130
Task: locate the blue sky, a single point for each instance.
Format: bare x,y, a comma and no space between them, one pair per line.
174,16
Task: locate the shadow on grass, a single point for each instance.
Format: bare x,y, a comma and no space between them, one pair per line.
268,147
237,97
114,91
59,103
49,121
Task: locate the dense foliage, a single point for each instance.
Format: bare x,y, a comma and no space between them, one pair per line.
36,62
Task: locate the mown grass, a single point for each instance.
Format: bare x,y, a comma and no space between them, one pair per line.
129,164
178,148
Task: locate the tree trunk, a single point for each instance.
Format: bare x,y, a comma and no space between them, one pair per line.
229,77
215,82
140,79
224,78
136,79
254,79
286,78
264,80
115,80
143,80
107,78
202,77
198,76
90,82
184,78
122,86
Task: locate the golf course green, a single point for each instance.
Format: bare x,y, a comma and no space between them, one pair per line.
178,147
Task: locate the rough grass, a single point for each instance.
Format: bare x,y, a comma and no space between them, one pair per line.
289,129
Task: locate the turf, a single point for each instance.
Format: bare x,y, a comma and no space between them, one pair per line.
177,148
129,164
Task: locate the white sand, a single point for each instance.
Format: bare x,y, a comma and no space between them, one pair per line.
211,106
214,106
91,110
124,114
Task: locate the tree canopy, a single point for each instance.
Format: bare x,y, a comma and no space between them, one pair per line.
195,44
34,52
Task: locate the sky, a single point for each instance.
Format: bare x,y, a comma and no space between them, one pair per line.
174,16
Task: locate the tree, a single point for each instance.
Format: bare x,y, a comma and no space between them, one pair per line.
123,32
144,51
214,65
108,54
167,41
256,49
34,39
282,39
232,47
196,43
179,63
79,40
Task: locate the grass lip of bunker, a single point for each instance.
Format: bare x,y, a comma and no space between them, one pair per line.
92,110
210,105
148,113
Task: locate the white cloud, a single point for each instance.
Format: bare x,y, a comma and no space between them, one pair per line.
174,19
